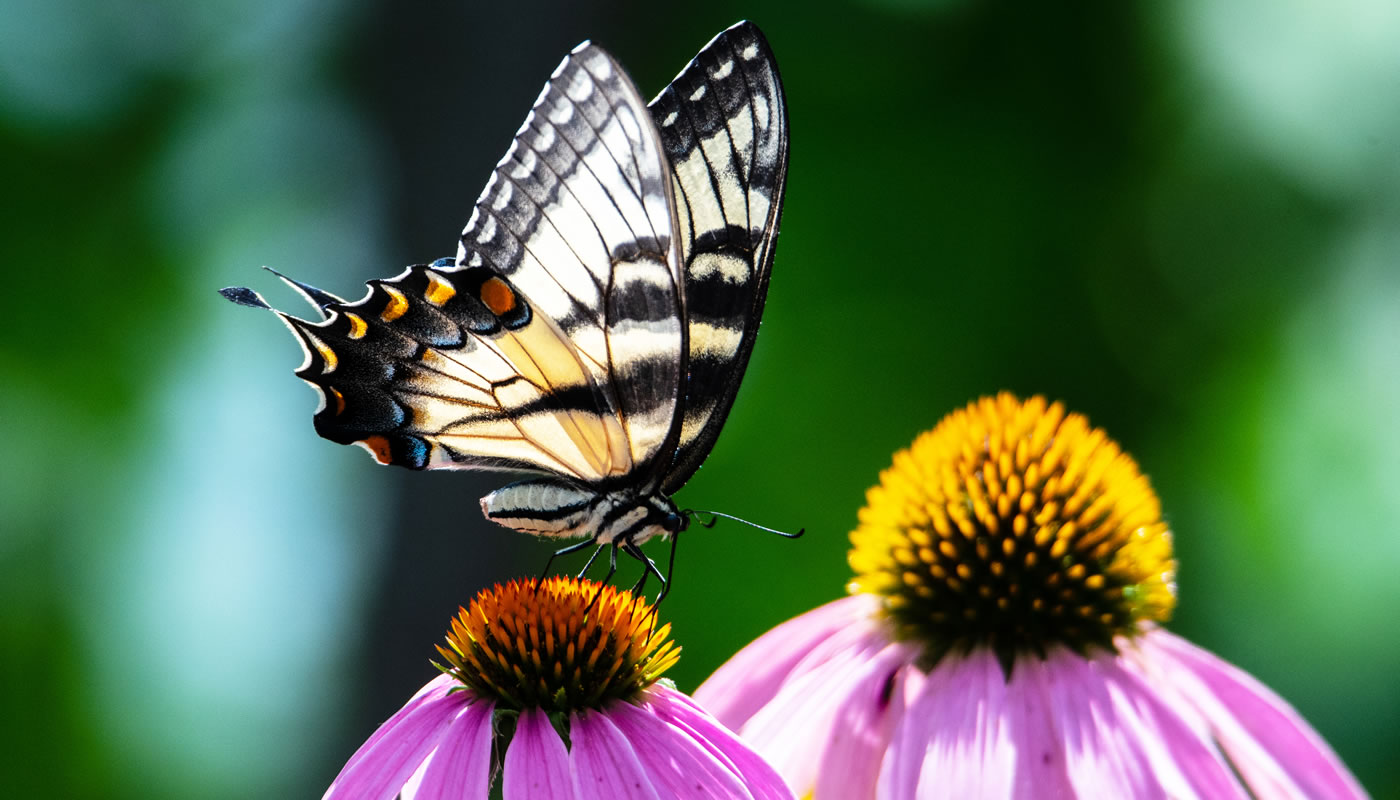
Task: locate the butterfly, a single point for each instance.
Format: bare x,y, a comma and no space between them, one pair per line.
597,319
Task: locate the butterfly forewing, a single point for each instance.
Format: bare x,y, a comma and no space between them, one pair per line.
579,211
723,124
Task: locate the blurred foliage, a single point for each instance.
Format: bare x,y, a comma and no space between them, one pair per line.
1180,219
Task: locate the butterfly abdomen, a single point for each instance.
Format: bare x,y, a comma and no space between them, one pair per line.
548,507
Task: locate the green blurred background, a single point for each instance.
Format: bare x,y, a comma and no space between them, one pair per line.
1182,219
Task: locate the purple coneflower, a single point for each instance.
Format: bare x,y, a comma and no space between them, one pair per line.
562,701
1002,640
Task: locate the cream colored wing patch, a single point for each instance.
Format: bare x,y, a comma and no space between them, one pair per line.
579,213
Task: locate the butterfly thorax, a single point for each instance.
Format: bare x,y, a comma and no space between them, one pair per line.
554,508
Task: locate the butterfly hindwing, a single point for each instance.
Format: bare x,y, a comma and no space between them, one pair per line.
723,124
431,370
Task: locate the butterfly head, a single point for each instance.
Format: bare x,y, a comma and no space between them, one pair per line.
676,521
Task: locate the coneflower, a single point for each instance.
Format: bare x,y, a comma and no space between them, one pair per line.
1003,639
554,689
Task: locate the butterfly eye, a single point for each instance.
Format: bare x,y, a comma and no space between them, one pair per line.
675,523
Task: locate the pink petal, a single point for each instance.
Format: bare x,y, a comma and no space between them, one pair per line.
792,730
537,763
746,682
436,688
384,763
461,765
1276,752
1064,727
603,763
1121,737
677,764
1040,755
762,780
955,740
863,725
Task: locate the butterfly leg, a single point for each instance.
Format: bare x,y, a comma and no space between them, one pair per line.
573,548
612,570
670,569
589,562
651,569
641,583
634,551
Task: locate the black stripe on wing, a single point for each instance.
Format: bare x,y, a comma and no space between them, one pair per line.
410,369
578,213
723,124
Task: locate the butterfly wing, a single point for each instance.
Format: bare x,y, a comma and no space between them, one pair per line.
723,124
580,211
553,341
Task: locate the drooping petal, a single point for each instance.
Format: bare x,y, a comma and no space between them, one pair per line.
1274,750
1041,770
955,740
792,730
746,682
1121,739
678,765
602,761
460,767
384,763
537,763
862,726
763,782
436,688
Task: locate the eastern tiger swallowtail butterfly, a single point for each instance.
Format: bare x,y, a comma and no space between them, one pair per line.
596,321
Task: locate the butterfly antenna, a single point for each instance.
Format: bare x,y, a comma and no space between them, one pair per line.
714,514
690,513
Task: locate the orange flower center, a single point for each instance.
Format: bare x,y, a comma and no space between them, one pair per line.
561,645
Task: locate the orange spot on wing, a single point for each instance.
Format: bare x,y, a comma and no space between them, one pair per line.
398,304
357,325
339,400
378,447
497,296
439,290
